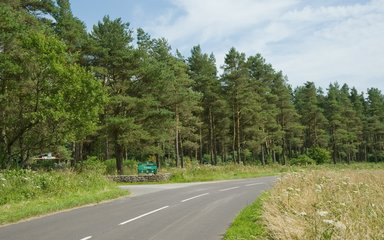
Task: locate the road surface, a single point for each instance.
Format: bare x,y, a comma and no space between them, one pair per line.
161,212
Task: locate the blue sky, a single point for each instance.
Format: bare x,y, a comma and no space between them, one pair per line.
322,41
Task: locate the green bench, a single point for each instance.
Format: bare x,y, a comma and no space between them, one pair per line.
147,167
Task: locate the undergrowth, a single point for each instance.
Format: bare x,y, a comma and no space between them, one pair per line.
27,193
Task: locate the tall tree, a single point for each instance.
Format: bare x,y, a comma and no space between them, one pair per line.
69,28
44,94
235,79
312,117
375,125
113,62
290,133
202,69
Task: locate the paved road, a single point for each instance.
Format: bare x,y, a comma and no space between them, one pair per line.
176,211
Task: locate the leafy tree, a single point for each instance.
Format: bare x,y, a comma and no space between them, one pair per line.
44,94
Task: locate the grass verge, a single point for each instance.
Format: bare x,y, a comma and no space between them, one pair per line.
25,193
249,224
200,173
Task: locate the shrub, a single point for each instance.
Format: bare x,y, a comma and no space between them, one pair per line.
320,155
302,160
92,164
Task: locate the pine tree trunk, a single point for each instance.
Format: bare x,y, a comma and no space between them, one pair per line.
119,152
262,155
211,136
234,136
238,137
177,139
106,148
201,147
181,152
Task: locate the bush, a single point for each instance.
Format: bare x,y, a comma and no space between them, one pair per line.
302,160
129,167
320,155
92,164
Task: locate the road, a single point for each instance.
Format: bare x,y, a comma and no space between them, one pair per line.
175,211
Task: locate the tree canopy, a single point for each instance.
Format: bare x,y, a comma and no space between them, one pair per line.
116,92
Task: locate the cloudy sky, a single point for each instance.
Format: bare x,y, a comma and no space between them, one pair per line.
322,41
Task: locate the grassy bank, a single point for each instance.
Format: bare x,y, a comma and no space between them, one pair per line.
230,171
321,202
249,223
195,172
26,193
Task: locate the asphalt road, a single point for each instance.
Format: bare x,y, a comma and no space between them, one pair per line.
175,211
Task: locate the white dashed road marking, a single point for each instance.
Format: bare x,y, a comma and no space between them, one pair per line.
227,189
143,215
194,197
253,184
86,238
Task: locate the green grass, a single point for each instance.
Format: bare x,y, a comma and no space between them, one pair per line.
26,193
249,224
195,172
199,173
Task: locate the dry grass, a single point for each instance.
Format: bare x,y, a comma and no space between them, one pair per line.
347,204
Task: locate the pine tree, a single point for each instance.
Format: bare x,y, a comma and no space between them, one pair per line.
113,63
237,86
312,117
203,71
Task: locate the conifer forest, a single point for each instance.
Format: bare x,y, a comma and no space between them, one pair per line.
117,93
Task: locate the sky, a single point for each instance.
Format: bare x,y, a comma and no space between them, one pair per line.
322,41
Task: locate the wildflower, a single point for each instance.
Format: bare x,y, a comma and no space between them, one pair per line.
322,213
302,214
340,225
328,221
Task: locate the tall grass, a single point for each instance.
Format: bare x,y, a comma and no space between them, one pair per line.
26,193
327,204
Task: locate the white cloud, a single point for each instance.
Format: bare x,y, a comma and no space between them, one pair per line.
334,42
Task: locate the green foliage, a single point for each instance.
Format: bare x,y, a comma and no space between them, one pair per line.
129,167
26,193
228,171
249,223
103,95
320,155
302,160
93,165
27,185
